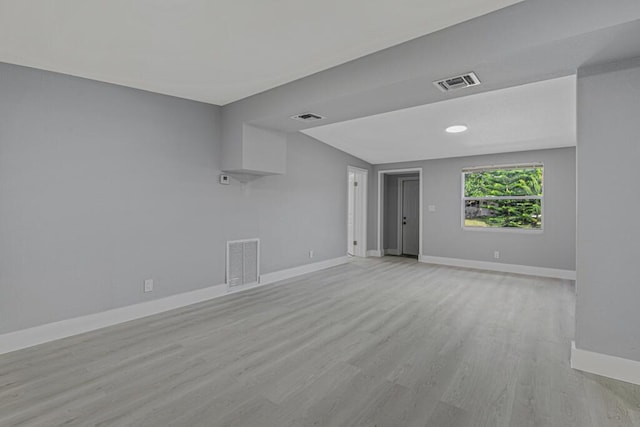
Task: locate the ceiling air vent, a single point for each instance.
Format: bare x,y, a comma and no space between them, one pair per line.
457,82
307,117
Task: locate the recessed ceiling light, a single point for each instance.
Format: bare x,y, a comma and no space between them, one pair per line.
456,129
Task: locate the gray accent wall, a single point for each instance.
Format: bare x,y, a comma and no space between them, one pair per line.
443,235
608,283
305,209
103,186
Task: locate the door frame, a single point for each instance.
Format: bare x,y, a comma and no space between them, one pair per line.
361,249
401,181
381,173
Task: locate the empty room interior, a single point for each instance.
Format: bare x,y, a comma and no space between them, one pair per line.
279,213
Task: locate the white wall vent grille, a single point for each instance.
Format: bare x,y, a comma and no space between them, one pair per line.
457,82
243,262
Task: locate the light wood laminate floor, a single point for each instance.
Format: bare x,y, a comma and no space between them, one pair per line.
374,342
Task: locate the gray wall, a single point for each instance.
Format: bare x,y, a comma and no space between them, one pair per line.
103,186
608,284
443,235
306,208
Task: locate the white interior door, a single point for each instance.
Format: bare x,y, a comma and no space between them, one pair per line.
356,212
350,215
410,217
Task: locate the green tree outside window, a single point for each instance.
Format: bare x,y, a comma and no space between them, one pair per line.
509,197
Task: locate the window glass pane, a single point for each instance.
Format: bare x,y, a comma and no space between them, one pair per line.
521,213
504,182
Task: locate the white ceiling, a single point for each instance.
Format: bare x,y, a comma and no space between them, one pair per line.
215,51
528,117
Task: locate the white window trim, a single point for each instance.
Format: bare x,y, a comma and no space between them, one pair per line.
501,229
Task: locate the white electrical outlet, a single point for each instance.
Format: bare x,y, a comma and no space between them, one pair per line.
148,285
432,208
496,254
310,253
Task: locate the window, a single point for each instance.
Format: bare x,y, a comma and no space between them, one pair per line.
503,197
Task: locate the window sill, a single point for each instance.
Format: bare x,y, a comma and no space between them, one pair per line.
505,230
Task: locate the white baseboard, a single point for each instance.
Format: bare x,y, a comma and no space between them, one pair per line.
24,338
605,365
504,268
374,253
303,269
